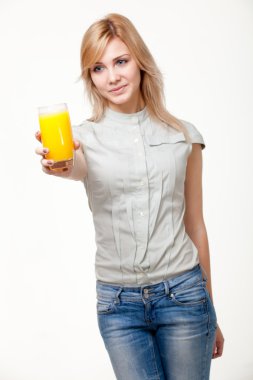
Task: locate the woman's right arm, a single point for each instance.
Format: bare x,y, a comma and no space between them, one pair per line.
77,171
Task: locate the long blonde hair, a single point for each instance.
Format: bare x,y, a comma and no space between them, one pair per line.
93,44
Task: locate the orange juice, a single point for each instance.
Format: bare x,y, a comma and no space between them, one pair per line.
56,135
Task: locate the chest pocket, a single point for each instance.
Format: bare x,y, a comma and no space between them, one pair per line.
169,152
161,139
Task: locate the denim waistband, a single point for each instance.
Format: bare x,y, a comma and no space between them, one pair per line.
186,279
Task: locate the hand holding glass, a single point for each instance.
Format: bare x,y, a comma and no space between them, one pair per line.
56,135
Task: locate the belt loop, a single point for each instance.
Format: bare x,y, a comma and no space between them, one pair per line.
117,300
166,287
204,275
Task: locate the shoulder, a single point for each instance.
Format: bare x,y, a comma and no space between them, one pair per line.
80,131
194,134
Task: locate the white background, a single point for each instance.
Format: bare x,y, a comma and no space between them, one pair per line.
48,327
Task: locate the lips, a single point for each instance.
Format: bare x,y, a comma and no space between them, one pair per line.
117,88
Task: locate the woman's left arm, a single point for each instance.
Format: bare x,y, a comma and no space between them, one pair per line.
193,218
195,225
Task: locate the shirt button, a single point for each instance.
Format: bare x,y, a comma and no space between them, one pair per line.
146,291
136,140
141,213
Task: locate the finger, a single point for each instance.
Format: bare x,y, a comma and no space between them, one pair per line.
47,163
46,166
218,350
214,351
217,355
41,151
47,170
38,136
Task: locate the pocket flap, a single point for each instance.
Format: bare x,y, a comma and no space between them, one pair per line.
166,138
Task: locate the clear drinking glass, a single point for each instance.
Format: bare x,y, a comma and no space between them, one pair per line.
56,135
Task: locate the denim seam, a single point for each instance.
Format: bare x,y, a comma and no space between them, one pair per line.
145,300
99,298
108,310
205,278
196,303
186,287
154,357
117,300
207,342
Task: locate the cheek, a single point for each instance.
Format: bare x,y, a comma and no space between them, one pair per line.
136,76
98,82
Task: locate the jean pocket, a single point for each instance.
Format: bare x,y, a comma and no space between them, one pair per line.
189,296
105,306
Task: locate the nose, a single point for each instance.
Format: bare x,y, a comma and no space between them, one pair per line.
113,76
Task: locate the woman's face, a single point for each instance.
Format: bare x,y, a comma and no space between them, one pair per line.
117,78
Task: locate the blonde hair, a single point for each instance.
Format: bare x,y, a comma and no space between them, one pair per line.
93,45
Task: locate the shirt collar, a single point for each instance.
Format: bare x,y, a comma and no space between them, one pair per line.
126,118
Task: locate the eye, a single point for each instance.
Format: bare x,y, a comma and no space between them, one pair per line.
97,69
122,60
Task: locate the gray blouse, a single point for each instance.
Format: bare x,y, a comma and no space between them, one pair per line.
135,190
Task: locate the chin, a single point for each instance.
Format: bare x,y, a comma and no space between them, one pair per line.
120,100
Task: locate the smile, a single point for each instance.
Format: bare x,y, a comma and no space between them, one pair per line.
118,90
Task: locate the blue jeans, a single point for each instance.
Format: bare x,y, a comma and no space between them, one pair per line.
164,331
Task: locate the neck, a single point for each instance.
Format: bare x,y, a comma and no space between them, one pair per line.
128,107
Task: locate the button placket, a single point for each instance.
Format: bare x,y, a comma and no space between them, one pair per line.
139,146
141,202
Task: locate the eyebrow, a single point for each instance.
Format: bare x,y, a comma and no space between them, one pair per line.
114,59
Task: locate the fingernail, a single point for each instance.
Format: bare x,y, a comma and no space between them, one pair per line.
45,150
50,163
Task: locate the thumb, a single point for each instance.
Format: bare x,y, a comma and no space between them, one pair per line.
76,144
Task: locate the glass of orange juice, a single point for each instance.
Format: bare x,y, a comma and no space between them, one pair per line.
56,135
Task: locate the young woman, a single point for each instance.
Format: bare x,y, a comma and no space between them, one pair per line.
142,171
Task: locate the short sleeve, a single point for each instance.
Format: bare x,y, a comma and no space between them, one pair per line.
194,134
82,131
76,130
